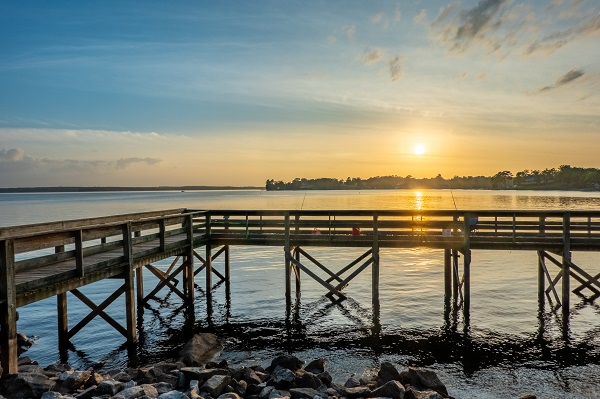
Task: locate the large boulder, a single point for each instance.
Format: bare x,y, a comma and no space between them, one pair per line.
423,380
412,393
201,349
26,385
391,389
317,366
387,372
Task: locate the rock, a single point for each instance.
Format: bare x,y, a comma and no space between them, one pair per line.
276,393
306,379
423,380
201,349
215,385
122,377
352,382
391,389
52,395
412,393
58,368
95,379
238,387
201,374
317,366
283,378
528,396
303,393
26,385
73,380
32,369
214,365
109,387
289,362
246,374
173,395
356,392
88,393
22,361
162,387
388,372
139,391
265,392
230,395
325,378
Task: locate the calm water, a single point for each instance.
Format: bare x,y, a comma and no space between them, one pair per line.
509,347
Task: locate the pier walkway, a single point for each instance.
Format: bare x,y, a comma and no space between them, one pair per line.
50,259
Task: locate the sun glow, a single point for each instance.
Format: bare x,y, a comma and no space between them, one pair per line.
419,149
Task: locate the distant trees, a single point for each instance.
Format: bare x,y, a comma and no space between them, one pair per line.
565,177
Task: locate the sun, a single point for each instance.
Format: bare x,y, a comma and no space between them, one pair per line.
419,149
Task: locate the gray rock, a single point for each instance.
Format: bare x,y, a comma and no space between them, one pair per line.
356,392
31,368
352,382
276,393
27,385
162,387
201,349
247,374
52,395
283,378
25,360
423,380
109,387
391,389
239,387
325,377
304,393
412,393
289,362
317,366
306,379
173,395
265,392
74,380
201,374
528,396
388,372
139,391
230,395
215,385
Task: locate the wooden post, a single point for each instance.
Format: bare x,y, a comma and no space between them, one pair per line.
8,309
129,285
288,283
455,276
190,262
63,318
566,270
297,272
79,253
447,277
467,268
375,266
208,265
162,234
227,266
541,267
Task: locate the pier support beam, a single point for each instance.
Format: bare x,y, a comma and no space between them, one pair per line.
447,280
288,263
467,268
566,270
8,309
375,267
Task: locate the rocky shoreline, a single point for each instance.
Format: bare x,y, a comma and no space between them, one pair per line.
194,376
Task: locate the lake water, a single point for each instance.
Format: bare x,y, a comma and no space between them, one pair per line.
508,348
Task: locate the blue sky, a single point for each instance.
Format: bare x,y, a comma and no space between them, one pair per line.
234,93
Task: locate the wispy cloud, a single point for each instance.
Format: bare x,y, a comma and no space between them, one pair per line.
554,41
396,68
372,56
377,18
567,78
349,31
125,162
11,154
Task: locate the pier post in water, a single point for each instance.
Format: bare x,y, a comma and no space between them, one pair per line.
467,268
208,263
129,285
375,274
287,249
8,308
447,278
566,270
189,274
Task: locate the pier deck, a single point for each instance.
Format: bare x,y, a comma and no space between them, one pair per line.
49,259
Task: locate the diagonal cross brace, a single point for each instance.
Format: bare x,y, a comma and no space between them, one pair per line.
325,284
166,281
212,258
97,310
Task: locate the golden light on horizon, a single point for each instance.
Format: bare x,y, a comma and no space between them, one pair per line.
419,149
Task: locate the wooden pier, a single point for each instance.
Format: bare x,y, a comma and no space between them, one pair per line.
50,259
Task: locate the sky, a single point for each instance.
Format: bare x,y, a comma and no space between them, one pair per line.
151,93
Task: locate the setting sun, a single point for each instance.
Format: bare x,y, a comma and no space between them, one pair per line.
419,149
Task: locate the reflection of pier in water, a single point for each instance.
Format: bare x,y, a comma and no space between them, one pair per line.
51,259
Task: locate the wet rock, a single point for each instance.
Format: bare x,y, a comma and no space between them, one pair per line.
22,361
388,372
391,389
88,393
283,378
200,349
215,385
412,393
325,378
230,395
289,362
72,380
276,393
173,395
356,392
109,387
139,391
352,382
201,374
423,380
306,379
26,385
238,387
304,393
247,374
265,392
94,379
163,387
317,366
52,395
32,369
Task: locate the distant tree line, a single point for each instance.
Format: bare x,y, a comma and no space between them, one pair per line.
564,177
